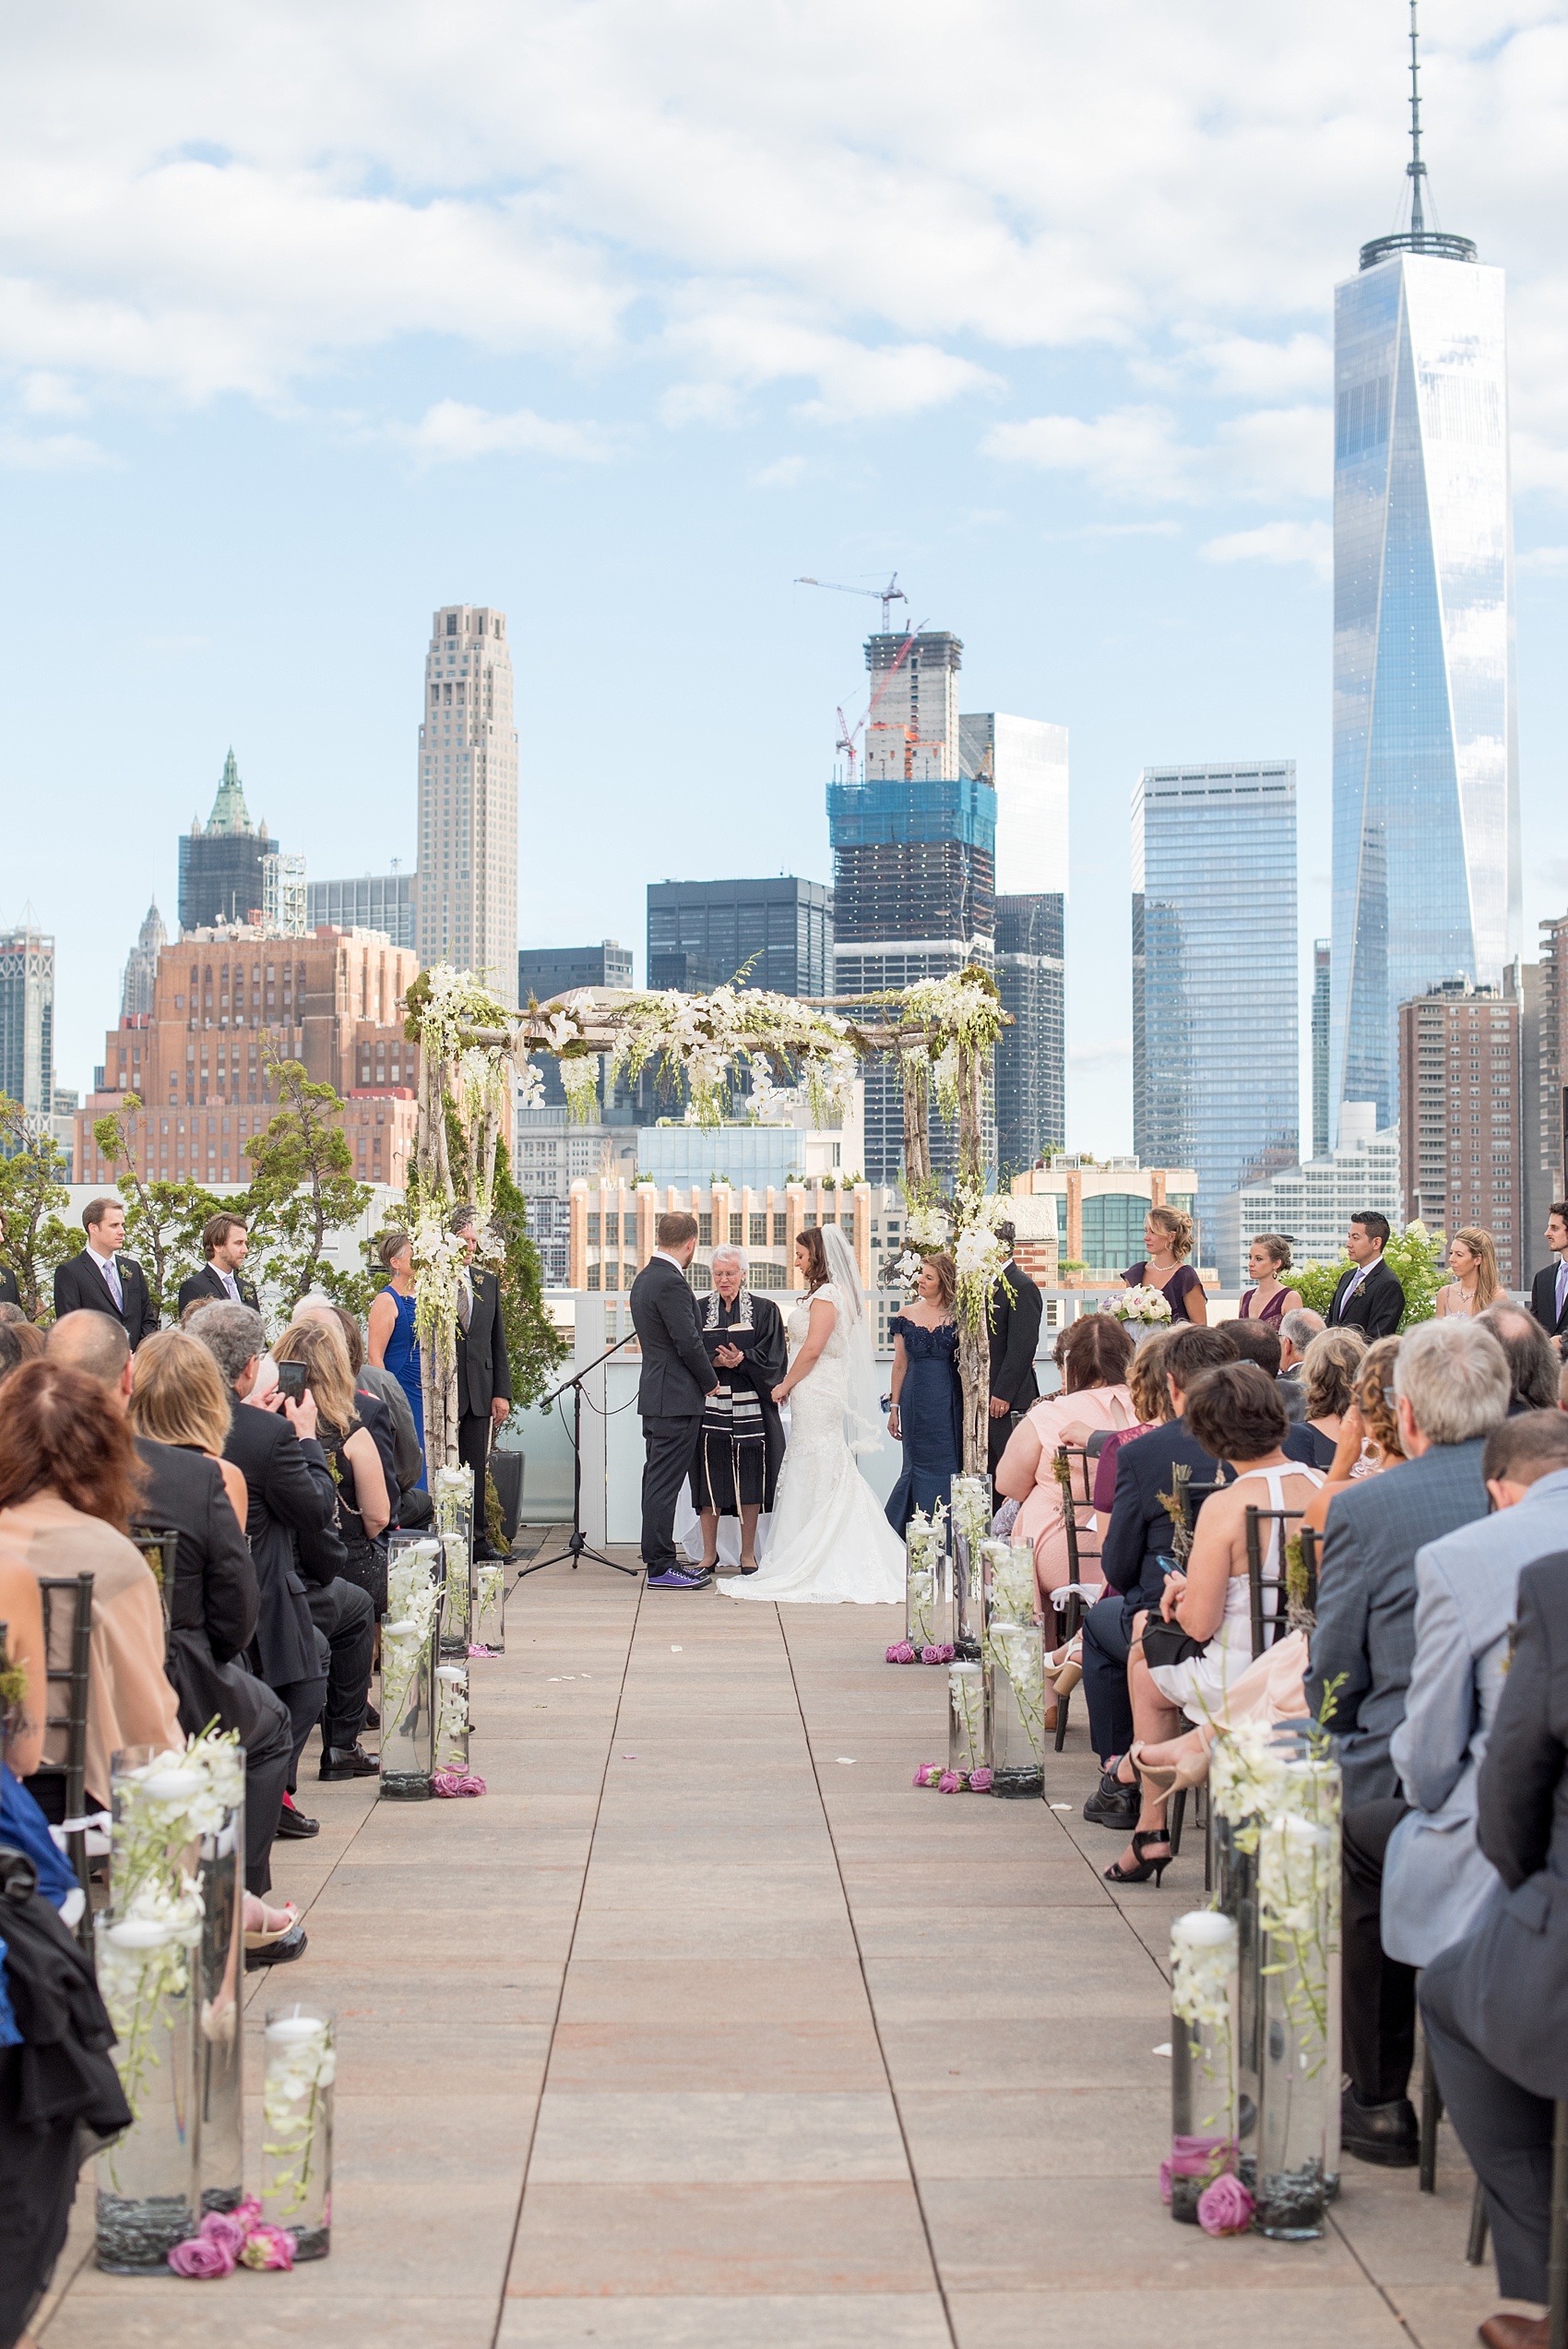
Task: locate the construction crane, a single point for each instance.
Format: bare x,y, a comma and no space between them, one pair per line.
847,733
889,595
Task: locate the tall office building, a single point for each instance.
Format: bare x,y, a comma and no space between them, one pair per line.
383,902
1459,1115
1322,1013
1426,788
27,1018
1547,1163
1024,759
467,798
142,964
1031,1053
914,860
224,863
700,933
1215,1075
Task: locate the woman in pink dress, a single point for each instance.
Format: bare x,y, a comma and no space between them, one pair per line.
1094,1354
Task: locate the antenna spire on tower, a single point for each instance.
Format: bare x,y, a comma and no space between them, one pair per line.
1414,167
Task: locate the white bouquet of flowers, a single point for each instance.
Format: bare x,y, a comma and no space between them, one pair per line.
1147,1306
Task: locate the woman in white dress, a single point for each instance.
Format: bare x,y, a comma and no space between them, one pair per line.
829,1539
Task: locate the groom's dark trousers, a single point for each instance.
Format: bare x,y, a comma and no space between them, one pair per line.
676,1375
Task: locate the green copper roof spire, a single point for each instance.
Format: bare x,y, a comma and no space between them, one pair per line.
230,813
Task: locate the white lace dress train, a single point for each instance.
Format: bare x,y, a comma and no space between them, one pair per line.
829,1540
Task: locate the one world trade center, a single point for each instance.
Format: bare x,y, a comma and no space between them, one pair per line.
1426,780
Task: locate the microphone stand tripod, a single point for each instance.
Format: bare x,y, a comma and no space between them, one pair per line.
578,1546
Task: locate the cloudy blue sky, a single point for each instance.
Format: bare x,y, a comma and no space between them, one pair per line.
619,313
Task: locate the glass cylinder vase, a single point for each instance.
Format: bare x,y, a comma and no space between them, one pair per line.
1014,1667
1246,1784
928,1586
970,1497
1204,1999
148,2180
408,1638
1007,1583
451,1717
452,1495
966,1717
1297,1907
299,2063
220,2041
489,1605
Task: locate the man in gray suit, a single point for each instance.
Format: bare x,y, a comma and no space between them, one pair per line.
1495,2008
1452,1388
1296,1331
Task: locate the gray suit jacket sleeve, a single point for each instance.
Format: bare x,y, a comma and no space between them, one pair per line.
1432,1744
1339,1641
1524,1757
677,1309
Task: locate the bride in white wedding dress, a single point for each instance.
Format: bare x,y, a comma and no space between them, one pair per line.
829,1539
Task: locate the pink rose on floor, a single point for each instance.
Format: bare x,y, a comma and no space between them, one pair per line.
946,1654
201,2257
226,2228
1225,2208
248,2213
980,1782
269,2246
1165,2176
901,1652
928,1774
949,1783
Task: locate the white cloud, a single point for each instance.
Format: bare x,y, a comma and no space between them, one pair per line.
1550,560
785,472
453,433
880,202
1309,543
1131,452
50,453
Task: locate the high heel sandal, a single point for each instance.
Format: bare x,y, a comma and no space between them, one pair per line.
1064,1676
1142,1838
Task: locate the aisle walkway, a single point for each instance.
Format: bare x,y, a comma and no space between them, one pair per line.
704,2028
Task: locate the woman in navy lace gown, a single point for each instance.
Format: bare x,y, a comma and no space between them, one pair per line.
928,1409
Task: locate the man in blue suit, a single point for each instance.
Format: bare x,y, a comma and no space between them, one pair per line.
1452,1387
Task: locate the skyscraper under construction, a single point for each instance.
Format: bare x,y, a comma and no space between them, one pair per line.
914,860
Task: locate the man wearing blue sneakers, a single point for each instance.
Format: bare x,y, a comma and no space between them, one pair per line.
676,1377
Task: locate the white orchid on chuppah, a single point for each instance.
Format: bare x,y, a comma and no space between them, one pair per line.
942,1031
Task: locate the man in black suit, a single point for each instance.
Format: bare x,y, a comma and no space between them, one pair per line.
1495,2006
1139,1539
485,1374
1548,1290
676,1377
314,1631
1368,1298
224,1240
100,1280
1014,1333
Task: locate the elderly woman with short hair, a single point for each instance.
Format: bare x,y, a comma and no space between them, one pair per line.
740,1448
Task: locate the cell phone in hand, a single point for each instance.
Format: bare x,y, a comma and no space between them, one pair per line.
291,1381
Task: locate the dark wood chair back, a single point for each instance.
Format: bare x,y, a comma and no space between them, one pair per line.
60,1787
1267,1600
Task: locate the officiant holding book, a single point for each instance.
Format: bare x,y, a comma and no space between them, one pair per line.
740,1448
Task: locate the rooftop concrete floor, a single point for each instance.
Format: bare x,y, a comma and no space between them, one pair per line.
705,2028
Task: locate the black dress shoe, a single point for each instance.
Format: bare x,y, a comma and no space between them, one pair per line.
347,1762
287,1947
1388,2135
1112,1805
294,1826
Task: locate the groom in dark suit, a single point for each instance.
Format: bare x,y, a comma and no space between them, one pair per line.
1548,1290
100,1280
676,1377
485,1374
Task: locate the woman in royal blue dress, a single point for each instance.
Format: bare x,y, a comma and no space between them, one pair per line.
928,1407
394,1344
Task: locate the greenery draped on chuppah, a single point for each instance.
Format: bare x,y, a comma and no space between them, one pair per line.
940,1031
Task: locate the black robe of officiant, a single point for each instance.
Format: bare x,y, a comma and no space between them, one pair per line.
740,1448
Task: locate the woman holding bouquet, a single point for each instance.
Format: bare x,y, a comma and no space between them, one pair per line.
1167,1242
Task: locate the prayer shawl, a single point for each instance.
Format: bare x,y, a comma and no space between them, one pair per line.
742,1437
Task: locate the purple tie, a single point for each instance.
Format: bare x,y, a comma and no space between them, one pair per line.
111,1274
